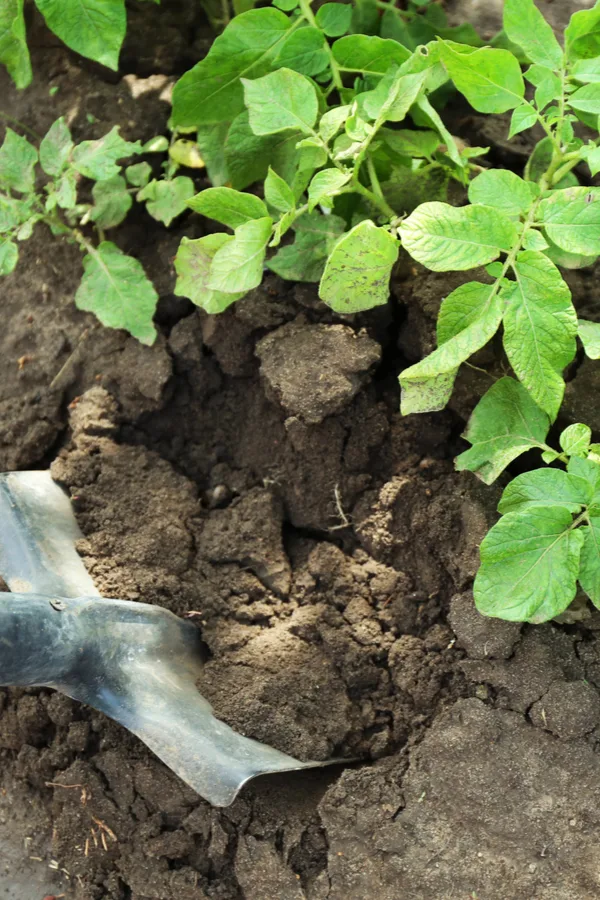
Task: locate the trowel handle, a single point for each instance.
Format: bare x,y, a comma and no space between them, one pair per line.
40,641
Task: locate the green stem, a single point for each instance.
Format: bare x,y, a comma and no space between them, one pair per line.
310,18
561,102
379,202
20,125
483,371
564,170
401,13
83,243
374,178
561,456
584,517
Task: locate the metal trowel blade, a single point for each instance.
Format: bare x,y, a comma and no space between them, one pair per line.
137,663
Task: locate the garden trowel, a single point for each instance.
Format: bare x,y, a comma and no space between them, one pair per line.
137,663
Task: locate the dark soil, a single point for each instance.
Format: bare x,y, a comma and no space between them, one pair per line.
254,469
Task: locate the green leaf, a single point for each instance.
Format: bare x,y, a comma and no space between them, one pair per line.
369,55
575,440
10,213
278,194
326,184
192,264
165,200
238,265
589,568
545,487
98,159
586,469
66,190
490,79
548,85
94,28
394,96
567,260
358,128
529,565
571,219
185,152
210,141
304,260
26,229
589,334
282,226
365,17
158,144
332,121
586,99
112,202
413,144
13,44
357,273
248,155
582,35
55,148
334,19
305,51
469,318
587,70
446,238
139,174
115,288
505,423
427,59
522,118
534,240
9,257
408,188
540,325
212,90
17,163
283,99
592,158
550,456
464,307
503,190
539,161
231,208
432,118
525,25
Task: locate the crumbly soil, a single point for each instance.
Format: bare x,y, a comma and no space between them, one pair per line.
253,469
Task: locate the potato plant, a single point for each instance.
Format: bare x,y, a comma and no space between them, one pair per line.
321,116
334,118
114,286
290,99
94,28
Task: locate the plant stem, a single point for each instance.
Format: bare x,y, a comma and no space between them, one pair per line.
483,371
20,125
401,13
83,243
379,202
561,456
374,178
564,170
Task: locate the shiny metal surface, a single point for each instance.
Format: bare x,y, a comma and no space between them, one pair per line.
137,663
